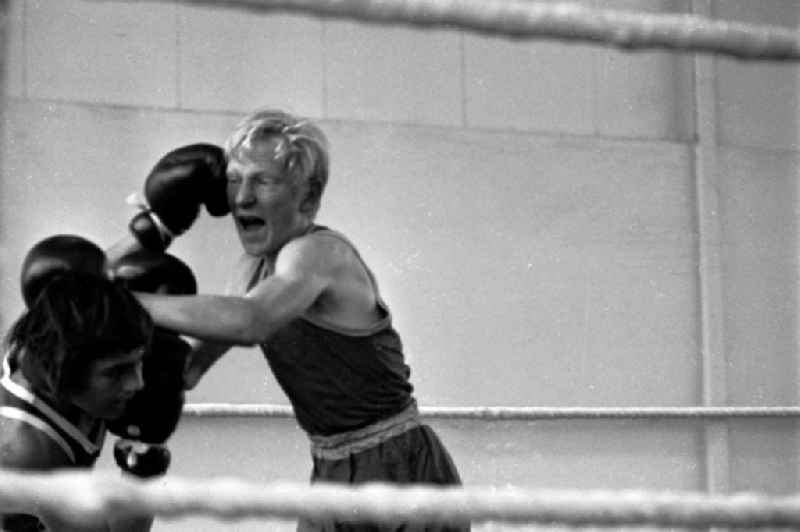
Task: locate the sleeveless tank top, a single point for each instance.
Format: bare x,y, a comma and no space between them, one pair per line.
339,379
19,404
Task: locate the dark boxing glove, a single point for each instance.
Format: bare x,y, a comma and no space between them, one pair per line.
58,254
143,460
176,187
155,273
152,415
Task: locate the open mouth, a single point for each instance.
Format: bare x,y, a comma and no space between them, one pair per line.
250,223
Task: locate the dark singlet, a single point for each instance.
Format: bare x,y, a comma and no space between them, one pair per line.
340,379
351,393
20,405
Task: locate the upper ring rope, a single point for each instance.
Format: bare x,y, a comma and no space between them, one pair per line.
524,413
520,19
82,497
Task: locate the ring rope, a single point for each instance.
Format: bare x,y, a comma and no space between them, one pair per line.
521,413
81,497
520,19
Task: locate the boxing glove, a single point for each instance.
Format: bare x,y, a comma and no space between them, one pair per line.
56,254
140,459
155,273
152,415
176,187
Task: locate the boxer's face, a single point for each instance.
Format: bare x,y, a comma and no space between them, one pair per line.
109,384
266,201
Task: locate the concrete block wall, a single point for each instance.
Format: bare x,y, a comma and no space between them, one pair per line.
530,209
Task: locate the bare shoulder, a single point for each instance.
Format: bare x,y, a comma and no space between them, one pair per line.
320,249
23,446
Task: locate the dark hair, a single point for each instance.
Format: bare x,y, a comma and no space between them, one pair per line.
77,319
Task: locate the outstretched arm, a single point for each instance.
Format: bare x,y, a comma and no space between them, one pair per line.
304,269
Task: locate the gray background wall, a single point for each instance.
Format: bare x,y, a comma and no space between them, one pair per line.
553,224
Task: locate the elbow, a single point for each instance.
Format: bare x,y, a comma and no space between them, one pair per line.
246,337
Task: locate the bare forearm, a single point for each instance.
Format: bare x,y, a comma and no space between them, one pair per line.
204,355
222,319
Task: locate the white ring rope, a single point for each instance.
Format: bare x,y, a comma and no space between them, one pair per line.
522,413
521,19
82,497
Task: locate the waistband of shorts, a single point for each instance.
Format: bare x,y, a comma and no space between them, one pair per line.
343,444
